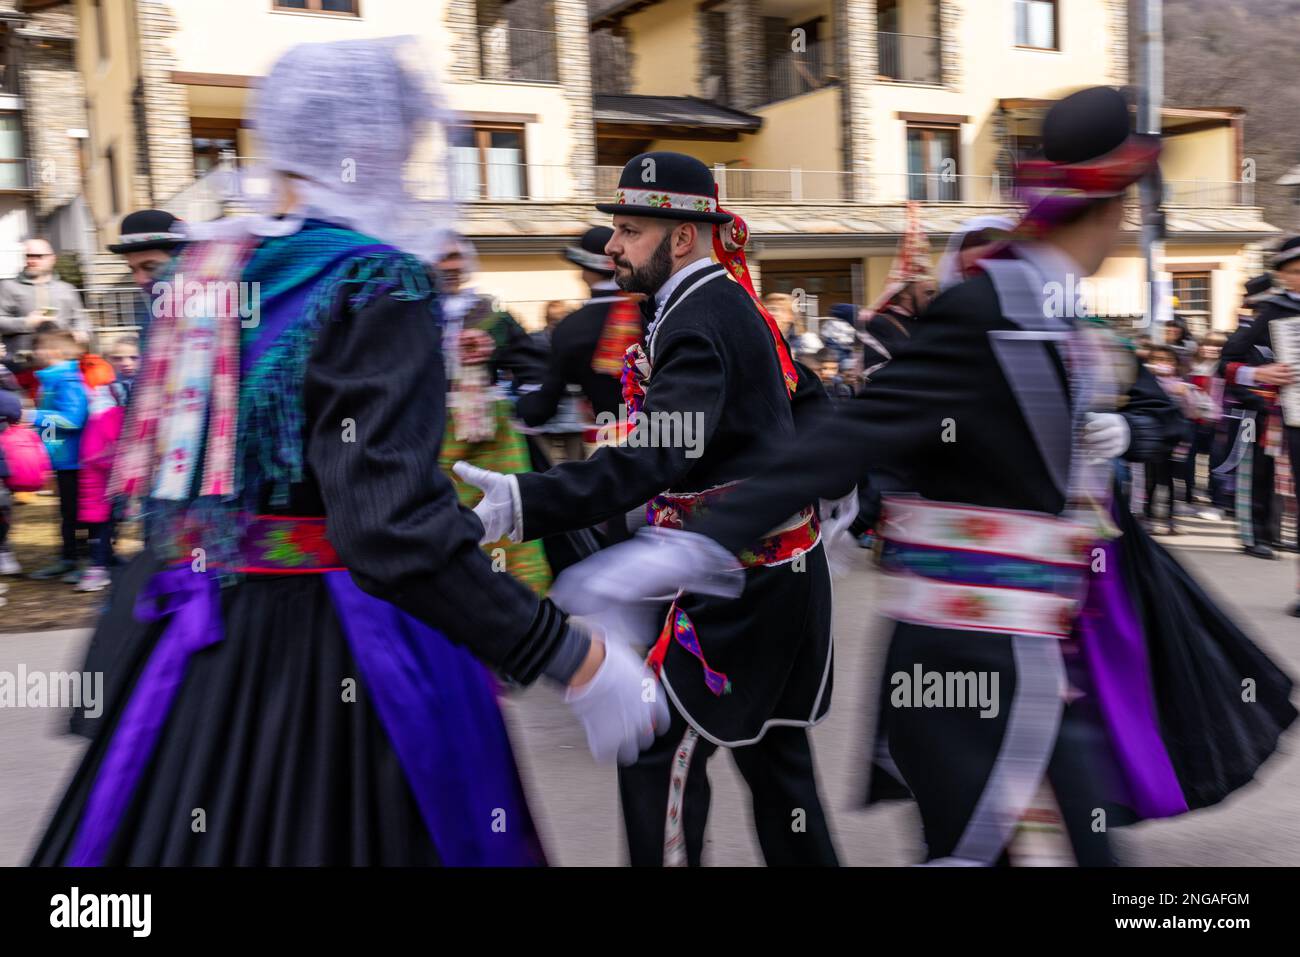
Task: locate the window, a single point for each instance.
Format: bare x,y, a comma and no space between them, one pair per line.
487,162
110,170
13,163
346,8
101,30
209,138
1036,24
932,173
1192,290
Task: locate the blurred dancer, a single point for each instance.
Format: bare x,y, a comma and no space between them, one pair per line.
148,242
1205,377
890,321
486,352
977,238
1238,499
588,345
1041,669
306,685
1254,376
713,386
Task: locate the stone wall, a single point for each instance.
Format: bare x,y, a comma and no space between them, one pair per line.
1117,43
855,61
165,109
950,14
745,80
573,51
54,103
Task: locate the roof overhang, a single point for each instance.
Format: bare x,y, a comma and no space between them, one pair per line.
612,15
635,116
1174,120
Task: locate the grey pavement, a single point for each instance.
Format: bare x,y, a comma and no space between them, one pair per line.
576,801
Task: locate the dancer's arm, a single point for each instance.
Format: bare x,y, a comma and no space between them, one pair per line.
686,391
375,403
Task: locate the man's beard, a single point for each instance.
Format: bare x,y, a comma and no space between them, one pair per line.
648,278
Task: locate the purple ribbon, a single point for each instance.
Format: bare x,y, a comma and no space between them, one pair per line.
193,600
434,699
1114,647
438,704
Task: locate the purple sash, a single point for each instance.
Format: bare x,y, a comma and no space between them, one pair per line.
1114,648
436,702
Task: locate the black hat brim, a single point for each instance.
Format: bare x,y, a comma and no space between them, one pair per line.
122,248
665,212
573,257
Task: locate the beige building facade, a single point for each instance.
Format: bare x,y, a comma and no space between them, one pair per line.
820,118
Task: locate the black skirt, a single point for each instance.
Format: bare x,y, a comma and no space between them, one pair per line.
273,752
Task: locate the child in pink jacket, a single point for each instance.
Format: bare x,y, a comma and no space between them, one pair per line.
98,445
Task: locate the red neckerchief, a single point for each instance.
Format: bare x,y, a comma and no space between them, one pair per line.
734,261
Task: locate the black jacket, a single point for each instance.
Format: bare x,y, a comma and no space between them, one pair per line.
947,376
1252,344
717,373
573,343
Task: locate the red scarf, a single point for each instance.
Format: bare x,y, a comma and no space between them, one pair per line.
734,261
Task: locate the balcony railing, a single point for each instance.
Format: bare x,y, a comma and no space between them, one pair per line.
908,58
793,73
998,190
235,184
115,309
939,188
758,185
515,54
1208,194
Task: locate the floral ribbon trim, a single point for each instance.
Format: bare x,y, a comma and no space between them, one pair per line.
981,569
662,199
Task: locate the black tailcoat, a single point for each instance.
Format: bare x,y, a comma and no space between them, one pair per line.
714,364
573,344
1007,395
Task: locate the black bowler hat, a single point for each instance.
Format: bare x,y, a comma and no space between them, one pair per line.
1089,152
590,251
669,186
1288,251
1258,287
148,229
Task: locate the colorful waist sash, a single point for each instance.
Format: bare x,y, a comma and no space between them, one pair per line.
983,569
779,546
782,544
283,545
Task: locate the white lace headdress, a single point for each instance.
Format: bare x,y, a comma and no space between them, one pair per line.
344,119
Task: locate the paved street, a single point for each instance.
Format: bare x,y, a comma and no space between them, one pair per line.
577,805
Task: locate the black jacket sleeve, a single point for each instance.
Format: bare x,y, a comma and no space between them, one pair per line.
519,354
539,406
688,387
894,422
1155,423
375,405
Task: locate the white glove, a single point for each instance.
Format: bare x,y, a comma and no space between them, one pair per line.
499,509
622,708
655,564
836,517
1105,436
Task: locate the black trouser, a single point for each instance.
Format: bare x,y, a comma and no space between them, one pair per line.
1222,492
788,816
1160,474
1202,442
1265,515
67,481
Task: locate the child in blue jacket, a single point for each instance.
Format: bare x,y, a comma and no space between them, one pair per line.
61,409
